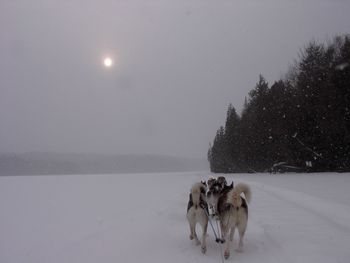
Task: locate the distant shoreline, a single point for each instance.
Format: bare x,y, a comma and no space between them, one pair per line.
72,164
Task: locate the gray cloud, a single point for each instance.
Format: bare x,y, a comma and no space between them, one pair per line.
178,65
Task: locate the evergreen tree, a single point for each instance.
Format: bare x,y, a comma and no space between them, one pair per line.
303,118
232,139
218,153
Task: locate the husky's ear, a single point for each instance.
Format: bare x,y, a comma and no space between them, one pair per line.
231,185
204,182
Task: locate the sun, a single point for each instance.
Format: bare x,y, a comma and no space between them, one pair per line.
108,62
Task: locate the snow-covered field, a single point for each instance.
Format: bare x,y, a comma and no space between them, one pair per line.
141,218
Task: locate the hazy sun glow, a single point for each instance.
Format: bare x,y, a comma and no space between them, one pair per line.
108,62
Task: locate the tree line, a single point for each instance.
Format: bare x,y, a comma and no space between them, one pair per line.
301,121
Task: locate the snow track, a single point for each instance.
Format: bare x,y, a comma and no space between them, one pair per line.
141,218
305,228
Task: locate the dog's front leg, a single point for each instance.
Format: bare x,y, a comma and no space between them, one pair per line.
232,233
204,235
224,232
227,250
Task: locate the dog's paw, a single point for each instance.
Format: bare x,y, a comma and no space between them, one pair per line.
240,248
204,249
191,237
227,254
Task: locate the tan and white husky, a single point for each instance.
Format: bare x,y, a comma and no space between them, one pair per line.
197,212
233,212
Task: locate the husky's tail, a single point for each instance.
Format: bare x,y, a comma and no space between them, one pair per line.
233,197
196,191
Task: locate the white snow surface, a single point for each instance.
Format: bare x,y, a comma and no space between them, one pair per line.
142,218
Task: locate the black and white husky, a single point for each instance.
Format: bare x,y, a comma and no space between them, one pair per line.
233,212
215,187
197,211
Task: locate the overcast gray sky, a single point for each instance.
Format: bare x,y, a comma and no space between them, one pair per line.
177,66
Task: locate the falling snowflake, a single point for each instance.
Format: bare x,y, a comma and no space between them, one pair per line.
342,66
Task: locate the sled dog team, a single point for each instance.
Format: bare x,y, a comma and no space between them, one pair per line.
215,199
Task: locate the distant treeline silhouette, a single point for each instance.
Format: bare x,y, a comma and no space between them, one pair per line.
300,123
88,163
